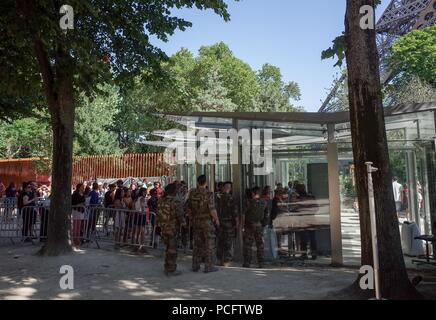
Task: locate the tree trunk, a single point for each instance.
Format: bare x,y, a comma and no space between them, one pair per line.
370,144
62,120
60,99
59,93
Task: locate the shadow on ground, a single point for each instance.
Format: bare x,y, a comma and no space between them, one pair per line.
103,274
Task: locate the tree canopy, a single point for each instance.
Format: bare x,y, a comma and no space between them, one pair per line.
213,80
109,41
94,122
113,119
415,55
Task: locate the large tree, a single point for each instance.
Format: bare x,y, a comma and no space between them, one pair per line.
213,80
237,75
30,136
274,93
414,54
214,95
27,137
370,144
109,39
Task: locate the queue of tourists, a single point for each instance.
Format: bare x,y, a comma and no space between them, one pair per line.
207,220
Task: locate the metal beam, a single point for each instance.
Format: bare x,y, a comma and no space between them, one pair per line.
334,198
237,194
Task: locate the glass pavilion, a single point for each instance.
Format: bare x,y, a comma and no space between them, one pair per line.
315,150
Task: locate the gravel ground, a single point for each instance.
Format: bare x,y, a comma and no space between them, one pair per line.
103,274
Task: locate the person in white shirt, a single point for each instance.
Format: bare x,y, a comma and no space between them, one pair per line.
140,220
420,199
397,189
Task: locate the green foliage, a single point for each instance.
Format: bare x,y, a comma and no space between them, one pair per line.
297,170
25,138
339,46
236,75
337,49
31,136
93,122
398,164
415,55
214,95
215,80
15,107
274,94
110,40
346,185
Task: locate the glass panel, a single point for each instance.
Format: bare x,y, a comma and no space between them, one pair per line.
350,223
303,221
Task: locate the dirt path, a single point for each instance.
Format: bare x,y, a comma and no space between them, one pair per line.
101,274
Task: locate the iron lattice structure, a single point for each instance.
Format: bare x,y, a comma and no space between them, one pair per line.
400,17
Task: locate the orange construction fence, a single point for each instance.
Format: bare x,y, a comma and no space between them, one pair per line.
87,168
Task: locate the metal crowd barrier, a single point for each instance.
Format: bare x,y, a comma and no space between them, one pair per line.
25,224
120,227
92,224
9,219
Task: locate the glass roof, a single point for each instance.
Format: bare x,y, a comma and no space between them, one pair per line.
408,123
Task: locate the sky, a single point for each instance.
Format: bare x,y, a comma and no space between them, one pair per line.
289,34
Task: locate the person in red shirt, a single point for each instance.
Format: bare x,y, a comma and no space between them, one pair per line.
158,188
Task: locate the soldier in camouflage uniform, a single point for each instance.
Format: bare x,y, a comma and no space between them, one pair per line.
254,219
181,197
229,220
169,219
202,215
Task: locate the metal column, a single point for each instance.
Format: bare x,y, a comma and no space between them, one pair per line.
237,194
334,197
411,177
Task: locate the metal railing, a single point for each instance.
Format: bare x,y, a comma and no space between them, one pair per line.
93,224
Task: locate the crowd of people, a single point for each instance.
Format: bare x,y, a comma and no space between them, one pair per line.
28,195
401,198
14,192
210,219
130,209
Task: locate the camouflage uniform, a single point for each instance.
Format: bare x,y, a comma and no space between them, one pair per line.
169,219
184,230
256,217
200,205
227,214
